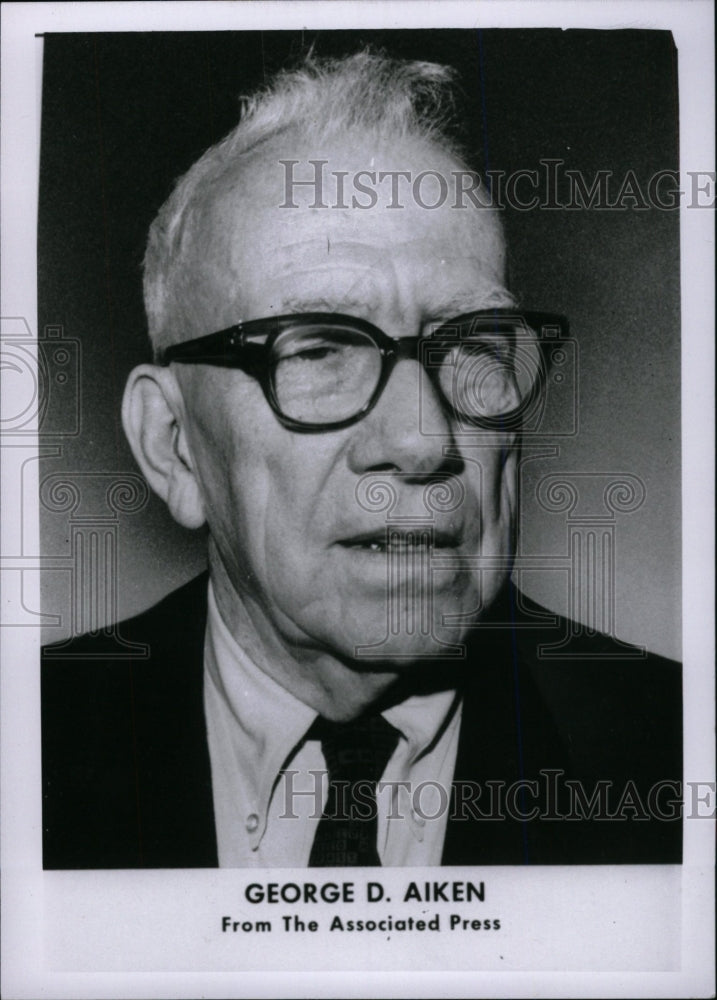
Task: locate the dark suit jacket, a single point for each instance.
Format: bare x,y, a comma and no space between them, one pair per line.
126,770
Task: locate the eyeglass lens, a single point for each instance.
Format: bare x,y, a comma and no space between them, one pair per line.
326,374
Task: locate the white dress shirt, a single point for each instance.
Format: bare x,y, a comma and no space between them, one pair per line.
270,784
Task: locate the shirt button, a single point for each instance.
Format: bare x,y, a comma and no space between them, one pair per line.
252,822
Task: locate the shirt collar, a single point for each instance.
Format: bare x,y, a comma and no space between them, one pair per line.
268,721
421,719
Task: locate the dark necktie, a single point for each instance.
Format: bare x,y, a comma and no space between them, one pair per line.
356,755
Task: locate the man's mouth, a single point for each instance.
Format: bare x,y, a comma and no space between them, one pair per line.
400,540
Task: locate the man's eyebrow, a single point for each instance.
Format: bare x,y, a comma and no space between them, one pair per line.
320,303
470,301
439,311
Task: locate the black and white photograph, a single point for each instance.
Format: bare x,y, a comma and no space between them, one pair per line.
341,365
355,542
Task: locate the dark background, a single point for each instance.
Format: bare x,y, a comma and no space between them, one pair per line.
124,115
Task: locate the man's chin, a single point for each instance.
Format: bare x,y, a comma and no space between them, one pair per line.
383,651
395,637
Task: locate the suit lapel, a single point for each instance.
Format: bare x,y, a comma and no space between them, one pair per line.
488,759
507,736
174,787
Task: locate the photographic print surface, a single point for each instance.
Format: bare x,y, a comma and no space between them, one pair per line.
357,453
386,545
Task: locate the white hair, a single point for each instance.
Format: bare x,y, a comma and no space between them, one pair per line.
366,92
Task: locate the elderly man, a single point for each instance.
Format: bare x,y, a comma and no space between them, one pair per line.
339,382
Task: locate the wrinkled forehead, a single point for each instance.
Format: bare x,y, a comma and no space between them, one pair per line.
363,218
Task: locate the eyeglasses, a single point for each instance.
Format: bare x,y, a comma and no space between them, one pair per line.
325,371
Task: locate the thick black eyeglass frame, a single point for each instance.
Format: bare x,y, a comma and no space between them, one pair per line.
233,348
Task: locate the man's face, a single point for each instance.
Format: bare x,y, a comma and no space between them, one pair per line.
299,520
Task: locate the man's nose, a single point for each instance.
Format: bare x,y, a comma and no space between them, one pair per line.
408,428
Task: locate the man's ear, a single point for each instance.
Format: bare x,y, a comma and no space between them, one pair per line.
153,417
507,482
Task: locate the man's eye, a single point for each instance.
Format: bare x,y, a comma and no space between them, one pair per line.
316,352
311,352
320,345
